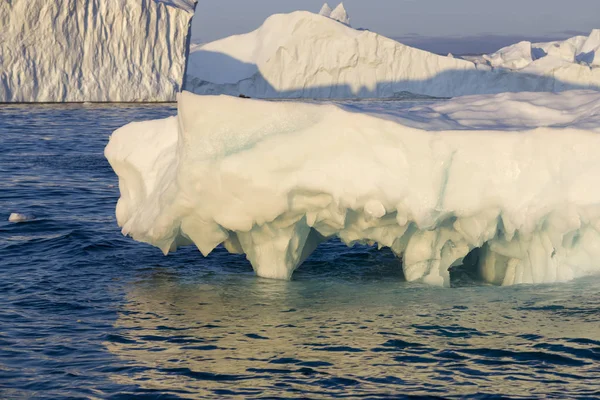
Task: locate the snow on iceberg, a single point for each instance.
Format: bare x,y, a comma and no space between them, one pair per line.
509,177
305,55
93,50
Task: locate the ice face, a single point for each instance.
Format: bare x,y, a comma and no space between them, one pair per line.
302,54
89,50
511,177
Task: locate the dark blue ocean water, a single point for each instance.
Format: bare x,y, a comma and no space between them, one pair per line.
87,313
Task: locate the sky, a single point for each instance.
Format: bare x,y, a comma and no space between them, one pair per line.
470,22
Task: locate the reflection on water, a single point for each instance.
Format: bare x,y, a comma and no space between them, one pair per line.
238,335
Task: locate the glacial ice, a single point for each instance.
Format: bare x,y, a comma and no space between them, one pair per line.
18,217
340,14
93,50
511,177
306,55
527,56
590,49
325,10
513,57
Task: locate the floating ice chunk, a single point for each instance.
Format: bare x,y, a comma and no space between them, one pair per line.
17,217
511,177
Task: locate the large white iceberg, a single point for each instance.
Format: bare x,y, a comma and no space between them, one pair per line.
302,54
510,176
93,50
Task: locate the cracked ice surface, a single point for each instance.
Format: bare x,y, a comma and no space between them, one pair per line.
514,175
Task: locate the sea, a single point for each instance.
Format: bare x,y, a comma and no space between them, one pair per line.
86,313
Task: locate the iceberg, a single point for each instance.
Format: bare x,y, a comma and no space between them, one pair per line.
306,55
507,180
590,50
577,52
325,10
340,14
512,57
93,50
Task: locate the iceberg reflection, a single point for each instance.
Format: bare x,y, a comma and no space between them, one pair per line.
235,335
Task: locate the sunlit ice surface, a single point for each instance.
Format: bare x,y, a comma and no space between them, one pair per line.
506,181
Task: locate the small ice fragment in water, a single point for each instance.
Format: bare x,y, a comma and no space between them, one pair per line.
16,217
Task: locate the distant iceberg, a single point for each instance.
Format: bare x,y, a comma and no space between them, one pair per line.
93,50
340,14
540,58
510,179
325,10
306,55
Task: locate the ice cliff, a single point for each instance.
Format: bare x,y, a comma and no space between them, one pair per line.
302,54
93,50
511,178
